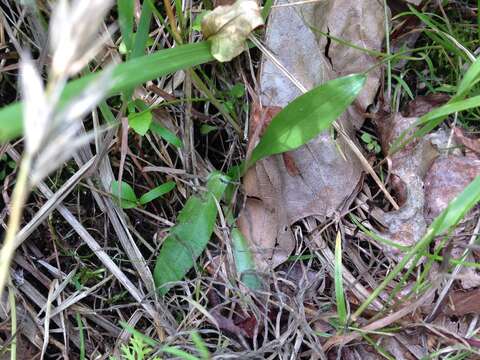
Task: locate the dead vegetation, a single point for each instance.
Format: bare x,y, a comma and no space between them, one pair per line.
361,244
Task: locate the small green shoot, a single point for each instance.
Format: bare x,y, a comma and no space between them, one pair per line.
339,292
157,192
127,199
371,142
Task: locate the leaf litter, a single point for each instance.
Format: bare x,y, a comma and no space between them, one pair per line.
320,177
290,196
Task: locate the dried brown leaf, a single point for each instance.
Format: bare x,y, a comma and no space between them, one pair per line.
227,27
318,178
470,143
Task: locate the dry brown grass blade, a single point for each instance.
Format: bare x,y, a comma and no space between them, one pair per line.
101,254
53,202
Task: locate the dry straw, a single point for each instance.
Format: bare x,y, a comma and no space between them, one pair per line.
52,131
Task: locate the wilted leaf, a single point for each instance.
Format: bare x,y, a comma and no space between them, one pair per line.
189,237
126,199
227,28
157,192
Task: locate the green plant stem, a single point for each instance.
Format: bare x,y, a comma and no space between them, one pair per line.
13,317
18,200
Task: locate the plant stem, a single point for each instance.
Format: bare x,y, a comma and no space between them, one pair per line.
13,316
18,200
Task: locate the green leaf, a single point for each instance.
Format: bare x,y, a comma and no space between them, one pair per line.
470,79
207,129
366,138
197,22
140,122
189,237
237,90
338,271
307,116
127,75
166,135
126,199
157,192
141,38
125,19
244,261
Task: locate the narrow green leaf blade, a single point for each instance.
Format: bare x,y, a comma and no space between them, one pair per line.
140,122
125,76
166,135
157,192
244,261
307,116
125,19
126,199
189,237
338,271
141,37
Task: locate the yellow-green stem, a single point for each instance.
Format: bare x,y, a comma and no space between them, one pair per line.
18,200
13,317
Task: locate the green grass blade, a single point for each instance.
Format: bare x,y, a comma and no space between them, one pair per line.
141,36
338,271
157,192
200,346
189,237
125,19
125,76
166,135
455,211
307,116
469,80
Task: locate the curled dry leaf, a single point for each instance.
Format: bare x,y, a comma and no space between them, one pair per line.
227,27
318,178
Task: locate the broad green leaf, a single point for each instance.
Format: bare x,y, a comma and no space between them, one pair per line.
140,122
338,271
189,237
244,262
125,19
157,192
126,199
307,116
166,135
125,76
